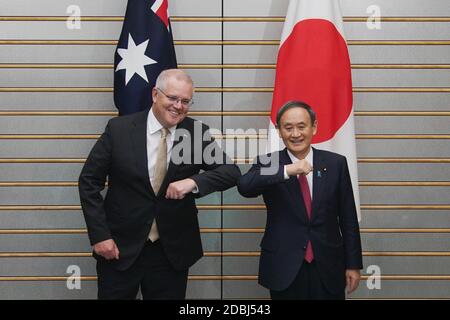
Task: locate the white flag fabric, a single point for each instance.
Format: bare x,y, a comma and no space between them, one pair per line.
313,66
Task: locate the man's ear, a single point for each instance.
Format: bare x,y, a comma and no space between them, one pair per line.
154,94
315,127
278,130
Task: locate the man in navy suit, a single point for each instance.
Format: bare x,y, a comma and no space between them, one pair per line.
145,231
311,247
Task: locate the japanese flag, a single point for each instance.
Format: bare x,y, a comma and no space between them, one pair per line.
313,66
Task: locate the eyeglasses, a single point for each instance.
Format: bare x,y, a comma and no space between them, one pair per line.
184,102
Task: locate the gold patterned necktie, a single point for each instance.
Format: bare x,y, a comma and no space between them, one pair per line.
159,173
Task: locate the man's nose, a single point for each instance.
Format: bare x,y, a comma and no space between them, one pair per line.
296,133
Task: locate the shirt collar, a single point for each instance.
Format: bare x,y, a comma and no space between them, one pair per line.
309,156
153,125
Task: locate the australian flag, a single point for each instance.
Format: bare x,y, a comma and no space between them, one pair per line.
145,49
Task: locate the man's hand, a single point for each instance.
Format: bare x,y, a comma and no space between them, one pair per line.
352,277
107,249
301,167
178,189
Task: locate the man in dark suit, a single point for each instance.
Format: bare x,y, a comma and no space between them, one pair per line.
311,247
145,232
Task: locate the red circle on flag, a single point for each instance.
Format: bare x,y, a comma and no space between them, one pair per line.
314,67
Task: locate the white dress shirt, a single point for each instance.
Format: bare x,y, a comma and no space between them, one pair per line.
153,137
309,177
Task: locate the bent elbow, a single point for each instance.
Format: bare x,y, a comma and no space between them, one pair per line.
245,191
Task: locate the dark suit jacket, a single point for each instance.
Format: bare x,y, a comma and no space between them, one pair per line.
130,205
333,229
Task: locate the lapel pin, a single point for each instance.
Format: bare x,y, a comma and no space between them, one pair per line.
319,174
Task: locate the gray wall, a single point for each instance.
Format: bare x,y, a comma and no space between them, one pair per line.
39,213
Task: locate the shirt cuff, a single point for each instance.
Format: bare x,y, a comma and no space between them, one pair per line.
195,189
286,176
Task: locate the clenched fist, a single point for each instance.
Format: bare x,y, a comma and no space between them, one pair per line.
107,249
178,189
301,167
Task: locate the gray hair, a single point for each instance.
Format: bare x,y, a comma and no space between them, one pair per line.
178,74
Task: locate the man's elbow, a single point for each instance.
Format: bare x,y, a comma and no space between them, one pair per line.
233,175
236,173
81,182
244,188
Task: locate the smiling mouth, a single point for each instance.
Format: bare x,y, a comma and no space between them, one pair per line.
174,113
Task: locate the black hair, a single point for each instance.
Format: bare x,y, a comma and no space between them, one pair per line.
296,104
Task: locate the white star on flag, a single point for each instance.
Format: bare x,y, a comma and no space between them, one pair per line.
134,59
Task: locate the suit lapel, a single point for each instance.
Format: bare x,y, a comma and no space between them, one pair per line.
319,180
139,140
